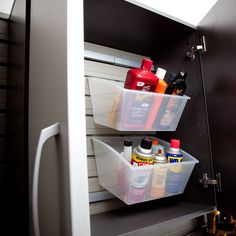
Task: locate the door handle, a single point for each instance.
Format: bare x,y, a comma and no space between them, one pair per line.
45,134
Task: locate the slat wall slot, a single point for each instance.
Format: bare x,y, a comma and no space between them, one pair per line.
104,206
94,197
92,168
3,76
101,200
105,71
113,52
3,29
3,93
2,123
2,149
3,51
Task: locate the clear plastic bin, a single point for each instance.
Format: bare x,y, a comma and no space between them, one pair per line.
139,184
131,110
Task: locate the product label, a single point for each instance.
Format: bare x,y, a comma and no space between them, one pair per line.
139,106
141,86
138,184
136,194
171,112
115,109
174,179
172,158
138,160
140,179
158,182
138,110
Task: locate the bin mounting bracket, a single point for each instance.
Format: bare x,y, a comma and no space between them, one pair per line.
198,48
206,181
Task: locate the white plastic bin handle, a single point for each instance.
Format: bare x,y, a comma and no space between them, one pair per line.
45,134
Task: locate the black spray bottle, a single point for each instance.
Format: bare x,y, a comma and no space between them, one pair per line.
177,85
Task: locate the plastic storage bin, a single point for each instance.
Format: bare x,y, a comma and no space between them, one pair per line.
130,110
138,184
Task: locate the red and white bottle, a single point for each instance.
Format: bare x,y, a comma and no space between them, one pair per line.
142,79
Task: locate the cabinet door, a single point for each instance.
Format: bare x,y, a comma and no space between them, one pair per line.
56,94
218,65
47,105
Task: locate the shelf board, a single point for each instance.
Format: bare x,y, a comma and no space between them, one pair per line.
140,219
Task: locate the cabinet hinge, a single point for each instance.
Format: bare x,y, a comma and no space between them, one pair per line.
206,181
198,48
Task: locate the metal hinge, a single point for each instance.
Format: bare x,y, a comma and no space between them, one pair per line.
198,48
206,181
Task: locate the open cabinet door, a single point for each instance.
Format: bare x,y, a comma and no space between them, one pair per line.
218,65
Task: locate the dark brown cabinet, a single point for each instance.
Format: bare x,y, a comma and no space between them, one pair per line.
207,125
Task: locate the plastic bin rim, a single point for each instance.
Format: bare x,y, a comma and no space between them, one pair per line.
185,97
194,161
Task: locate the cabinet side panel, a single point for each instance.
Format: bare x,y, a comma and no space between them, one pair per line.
16,172
220,83
192,129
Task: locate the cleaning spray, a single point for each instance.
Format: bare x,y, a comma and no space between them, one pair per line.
161,88
142,79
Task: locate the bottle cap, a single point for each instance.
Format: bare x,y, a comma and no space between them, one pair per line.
182,75
161,150
175,143
154,142
160,158
128,142
160,74
146,64
146,143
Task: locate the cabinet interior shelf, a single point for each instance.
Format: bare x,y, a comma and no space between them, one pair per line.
147,218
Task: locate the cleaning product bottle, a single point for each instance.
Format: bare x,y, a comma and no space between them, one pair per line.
142,79
139,179
173,154
180,85
127,149
122,174
156,147
174,177
159,174
142,155
138,104
170,82
162,85
161,88
177,85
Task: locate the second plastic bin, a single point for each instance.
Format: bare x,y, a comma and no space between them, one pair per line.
138,184
131,110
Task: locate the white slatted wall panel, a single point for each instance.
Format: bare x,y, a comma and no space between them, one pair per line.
115,73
